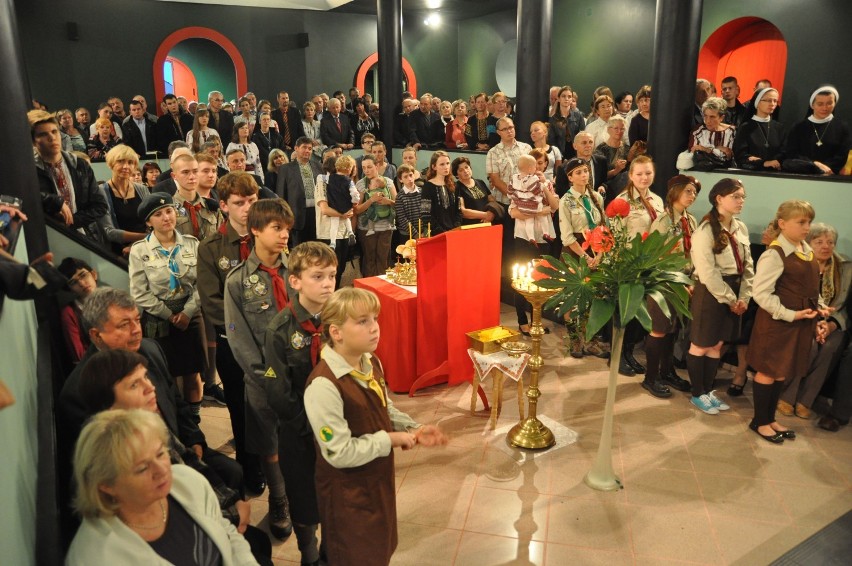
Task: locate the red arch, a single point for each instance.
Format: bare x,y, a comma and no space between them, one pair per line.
407,69
203,33
748,48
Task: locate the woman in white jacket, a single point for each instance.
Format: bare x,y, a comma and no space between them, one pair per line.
137,508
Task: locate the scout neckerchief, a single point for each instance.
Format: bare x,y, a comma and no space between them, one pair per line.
687,234
804,256
736,249
315,332
371,383
174,270
245,248
279,289
193,216
650,209
587,208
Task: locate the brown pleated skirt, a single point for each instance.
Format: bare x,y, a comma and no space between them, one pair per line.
659,321
713,321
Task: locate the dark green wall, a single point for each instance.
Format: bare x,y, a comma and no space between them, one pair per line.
211,65
594,42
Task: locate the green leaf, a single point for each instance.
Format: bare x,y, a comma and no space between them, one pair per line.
630,297
600,313
643,316
661,301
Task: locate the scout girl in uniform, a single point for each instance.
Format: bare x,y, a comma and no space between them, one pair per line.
356,427
163,284
580,209
724,271
786,286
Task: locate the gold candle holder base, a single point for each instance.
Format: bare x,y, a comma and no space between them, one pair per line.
530,432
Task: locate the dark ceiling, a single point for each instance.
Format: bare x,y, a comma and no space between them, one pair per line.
449,9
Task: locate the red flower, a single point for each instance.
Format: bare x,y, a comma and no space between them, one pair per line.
618,207
600,239
644,236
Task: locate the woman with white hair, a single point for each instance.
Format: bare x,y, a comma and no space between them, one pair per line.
835,276
712,143
137,507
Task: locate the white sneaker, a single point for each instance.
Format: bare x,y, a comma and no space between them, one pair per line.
718,403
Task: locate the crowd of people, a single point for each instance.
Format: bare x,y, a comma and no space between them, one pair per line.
235,253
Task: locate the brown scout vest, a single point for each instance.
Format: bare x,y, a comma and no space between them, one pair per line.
358,505
798,288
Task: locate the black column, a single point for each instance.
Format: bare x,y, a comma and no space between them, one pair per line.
390,64
676,43
17,170
535,18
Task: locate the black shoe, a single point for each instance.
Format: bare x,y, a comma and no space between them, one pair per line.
672,379
627,356
776,438
737,390
280,525
657,389
829,423
623,367
215,393
254,481
787,434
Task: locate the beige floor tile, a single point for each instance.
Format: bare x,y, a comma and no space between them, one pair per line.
755,499
673,535
735,459
453,464
667,455
516,514
419,544
813,504
478,549
520,471
799,466
666,490
745,542
589,523
434,501
560,555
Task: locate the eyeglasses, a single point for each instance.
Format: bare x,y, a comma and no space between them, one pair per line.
75,281
690,192
737,197
506,129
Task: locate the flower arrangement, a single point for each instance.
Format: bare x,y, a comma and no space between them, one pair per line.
615,285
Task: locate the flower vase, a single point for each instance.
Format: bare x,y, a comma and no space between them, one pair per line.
602,477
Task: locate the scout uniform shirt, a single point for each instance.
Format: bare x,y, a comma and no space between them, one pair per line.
217,256
196,218
158,275
639,219
288,356
576,210
249,308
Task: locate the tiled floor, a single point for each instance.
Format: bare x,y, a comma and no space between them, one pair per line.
698,489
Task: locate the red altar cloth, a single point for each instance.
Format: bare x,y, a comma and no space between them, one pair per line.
458,290
398,343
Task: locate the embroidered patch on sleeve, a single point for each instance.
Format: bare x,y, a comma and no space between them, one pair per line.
326,433
270,373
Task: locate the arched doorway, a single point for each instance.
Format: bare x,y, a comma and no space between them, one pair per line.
367,80
750,49
179,79
213,46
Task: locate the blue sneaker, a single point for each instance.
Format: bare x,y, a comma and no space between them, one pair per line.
718,403
705,404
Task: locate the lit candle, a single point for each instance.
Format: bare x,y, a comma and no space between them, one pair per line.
419,228
515,272
429,230
409,230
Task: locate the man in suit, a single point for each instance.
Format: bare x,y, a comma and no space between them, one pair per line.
139,130
420,132
173,125
584,145
289,121
296,186
354,94
220,120
335,129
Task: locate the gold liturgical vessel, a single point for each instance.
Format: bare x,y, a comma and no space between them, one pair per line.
530,432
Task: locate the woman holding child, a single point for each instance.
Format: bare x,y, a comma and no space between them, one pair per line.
375,218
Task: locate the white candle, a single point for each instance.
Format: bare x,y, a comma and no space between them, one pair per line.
515,272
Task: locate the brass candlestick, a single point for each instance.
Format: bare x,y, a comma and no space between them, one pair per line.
530,432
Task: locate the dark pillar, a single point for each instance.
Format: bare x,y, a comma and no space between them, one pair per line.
17,170
390,65
534,23
676,43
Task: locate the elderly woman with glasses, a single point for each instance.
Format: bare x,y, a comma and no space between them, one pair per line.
712,143
835,276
